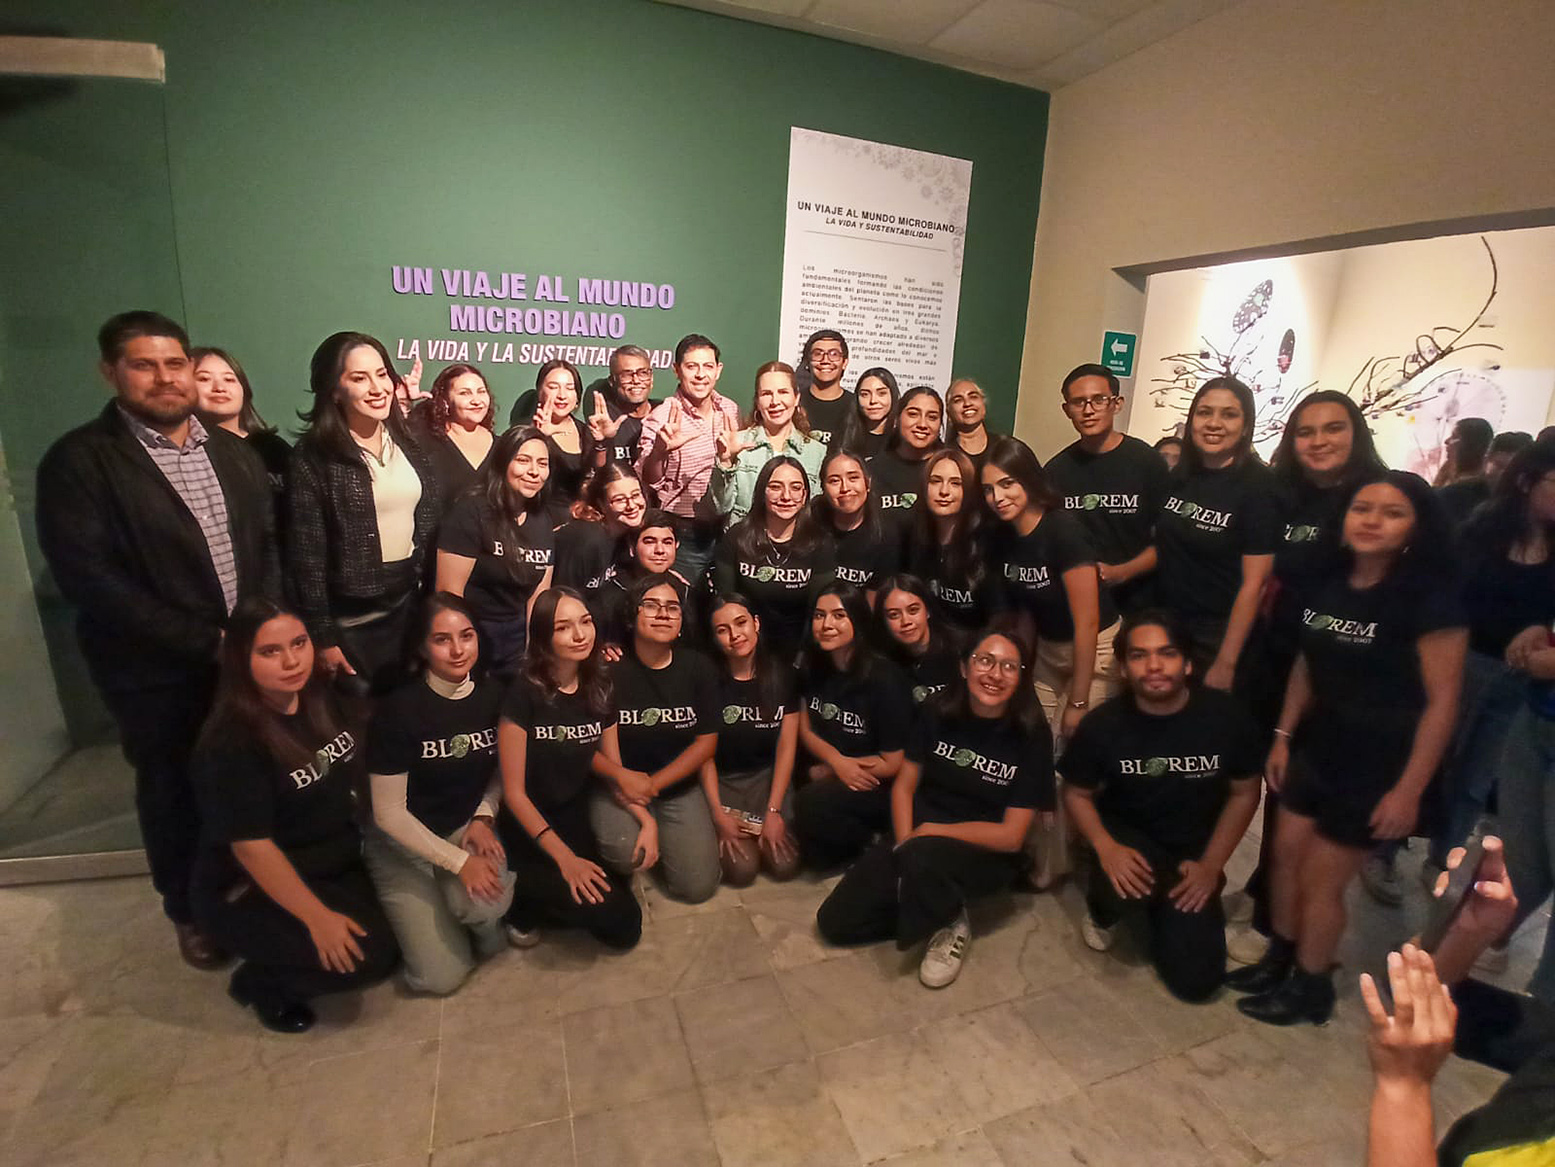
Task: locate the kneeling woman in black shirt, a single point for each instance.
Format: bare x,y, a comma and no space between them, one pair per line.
432,764
280,879
776,556
979,768
853,725
1368,713
557,717
747,781
914,637
496,548
667,700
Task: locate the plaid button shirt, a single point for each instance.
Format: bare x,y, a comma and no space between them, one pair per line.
188,471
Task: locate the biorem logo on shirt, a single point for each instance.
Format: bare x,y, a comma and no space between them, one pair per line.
1117,504
1189,766
338,750
1349,631
1302,533
586,732
676,717
991,770
534,556
734,714
459,745
1037,577
766,573
846,718
1205,518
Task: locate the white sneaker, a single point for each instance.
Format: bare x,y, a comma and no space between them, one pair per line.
518,938
1245,946
1095,936
942,962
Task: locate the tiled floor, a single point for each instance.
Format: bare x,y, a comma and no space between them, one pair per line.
730,1036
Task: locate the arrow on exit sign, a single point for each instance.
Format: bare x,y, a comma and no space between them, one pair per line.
1117,352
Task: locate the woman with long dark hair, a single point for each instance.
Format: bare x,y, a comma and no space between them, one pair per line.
433,854
1507,557
914,636
748,780
866,552
1367,717
559,389
362,502
227,400
776,556
776,427
666,696
857,707
593,538
1048,571
867,426
1216,537
279,879
496,547
978,769
897,470
558,716
944,544
459,419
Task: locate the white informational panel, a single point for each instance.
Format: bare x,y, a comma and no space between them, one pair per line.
873,249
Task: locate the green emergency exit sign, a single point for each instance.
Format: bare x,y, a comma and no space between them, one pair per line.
1117,352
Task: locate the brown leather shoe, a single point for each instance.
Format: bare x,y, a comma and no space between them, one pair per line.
197,949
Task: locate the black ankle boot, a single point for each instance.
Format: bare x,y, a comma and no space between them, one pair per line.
277,1015
1305,996
1268,973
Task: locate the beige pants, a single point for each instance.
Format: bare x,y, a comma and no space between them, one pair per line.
1053,670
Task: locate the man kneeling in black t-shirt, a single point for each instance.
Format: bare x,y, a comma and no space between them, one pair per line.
1162,781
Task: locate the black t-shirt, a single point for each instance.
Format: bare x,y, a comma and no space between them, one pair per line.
897,483
936,669
276,453
584,552
623,447
1166,776
1210,521
506,571
1459,499
1116,495
864,558
562,738
778,582
826,417
306,810
748,727
448,747
978,458
1308,521
962,602
568,470
1501,598
1363,661
663,711
973,769
455,475
1031,570
860,716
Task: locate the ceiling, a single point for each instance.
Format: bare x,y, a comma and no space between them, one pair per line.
1044,44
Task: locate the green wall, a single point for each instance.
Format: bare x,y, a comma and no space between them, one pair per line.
312,146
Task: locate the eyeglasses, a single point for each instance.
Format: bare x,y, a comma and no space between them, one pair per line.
825,355
1091,404
634,375
1008,668
661,607
622,501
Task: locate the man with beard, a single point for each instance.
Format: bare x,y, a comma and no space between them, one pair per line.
617,420
155,527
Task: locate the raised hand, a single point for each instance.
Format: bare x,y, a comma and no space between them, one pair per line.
600,424
731,442
674,433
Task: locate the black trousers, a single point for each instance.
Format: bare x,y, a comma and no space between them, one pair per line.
280,964
1188,949
157,729
540,894
834,824
912,891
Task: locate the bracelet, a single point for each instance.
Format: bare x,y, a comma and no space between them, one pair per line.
775,810
1284,733
1079,704
541,835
